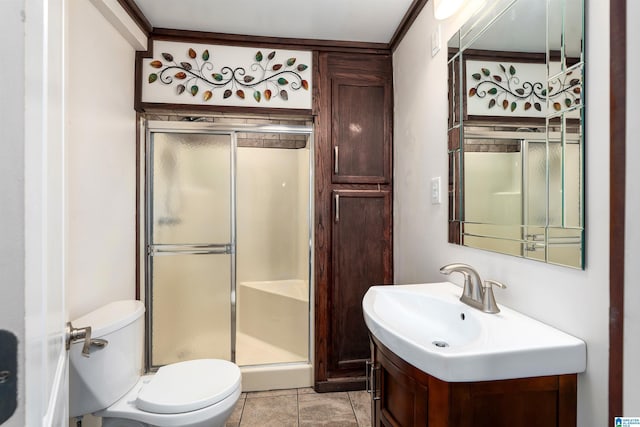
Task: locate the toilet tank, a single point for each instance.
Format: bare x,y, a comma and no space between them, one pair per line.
97,381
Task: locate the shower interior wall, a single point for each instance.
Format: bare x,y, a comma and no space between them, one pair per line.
272,249
272,212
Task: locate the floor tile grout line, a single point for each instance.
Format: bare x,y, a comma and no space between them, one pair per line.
353,409
244,402
298,405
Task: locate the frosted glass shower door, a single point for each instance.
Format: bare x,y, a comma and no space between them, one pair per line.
190,250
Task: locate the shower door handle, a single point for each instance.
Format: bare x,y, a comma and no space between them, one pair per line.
184,249
335,160
337,201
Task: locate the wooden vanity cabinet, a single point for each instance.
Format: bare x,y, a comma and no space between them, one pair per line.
404,396
353,208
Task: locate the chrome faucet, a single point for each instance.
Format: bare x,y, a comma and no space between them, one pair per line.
475,293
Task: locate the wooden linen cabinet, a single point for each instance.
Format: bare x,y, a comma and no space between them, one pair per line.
353,201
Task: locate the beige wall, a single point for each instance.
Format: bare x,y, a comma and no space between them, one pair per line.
571,300
100,162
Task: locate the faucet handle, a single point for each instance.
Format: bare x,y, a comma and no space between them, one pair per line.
468,288
488,300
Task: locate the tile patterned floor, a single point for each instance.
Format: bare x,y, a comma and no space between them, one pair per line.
301,407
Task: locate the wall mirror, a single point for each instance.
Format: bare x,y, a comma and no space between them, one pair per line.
516,131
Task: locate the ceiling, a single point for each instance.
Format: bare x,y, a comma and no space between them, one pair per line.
350,20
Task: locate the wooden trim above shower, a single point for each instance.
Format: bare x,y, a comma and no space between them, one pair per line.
183,109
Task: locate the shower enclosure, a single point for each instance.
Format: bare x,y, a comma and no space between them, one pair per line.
228,247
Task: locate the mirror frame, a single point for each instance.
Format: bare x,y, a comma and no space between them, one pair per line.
554,121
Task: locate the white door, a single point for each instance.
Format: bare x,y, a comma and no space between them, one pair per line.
32,193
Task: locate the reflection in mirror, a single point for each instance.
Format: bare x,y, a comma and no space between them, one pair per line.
516,140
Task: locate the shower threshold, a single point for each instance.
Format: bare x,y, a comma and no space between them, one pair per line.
253,351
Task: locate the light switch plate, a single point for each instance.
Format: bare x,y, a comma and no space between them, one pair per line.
435,190
435,41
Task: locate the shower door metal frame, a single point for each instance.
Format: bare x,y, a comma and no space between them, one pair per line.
180,127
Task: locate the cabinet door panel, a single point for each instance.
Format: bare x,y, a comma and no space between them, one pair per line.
403,400
532,402
361,257
360,137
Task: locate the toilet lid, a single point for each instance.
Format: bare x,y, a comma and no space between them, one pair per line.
188,386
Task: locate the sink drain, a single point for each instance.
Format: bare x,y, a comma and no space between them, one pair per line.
440,344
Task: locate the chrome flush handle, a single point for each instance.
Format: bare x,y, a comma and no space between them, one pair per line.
77,334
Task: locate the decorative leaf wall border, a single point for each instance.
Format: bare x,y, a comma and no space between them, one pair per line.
267,77
504,89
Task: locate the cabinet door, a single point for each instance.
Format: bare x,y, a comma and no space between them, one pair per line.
361,129
401,400
361,257
532,402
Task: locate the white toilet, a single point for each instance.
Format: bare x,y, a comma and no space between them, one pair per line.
108,383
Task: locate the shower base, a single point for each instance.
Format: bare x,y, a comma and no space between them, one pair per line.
253,351
267,367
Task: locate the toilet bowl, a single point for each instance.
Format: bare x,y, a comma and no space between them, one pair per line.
108,383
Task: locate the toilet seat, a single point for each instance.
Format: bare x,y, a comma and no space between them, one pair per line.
127,411
188,386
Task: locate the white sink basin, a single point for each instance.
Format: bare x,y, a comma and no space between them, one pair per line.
430,328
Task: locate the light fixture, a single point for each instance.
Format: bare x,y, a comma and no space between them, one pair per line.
442,9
